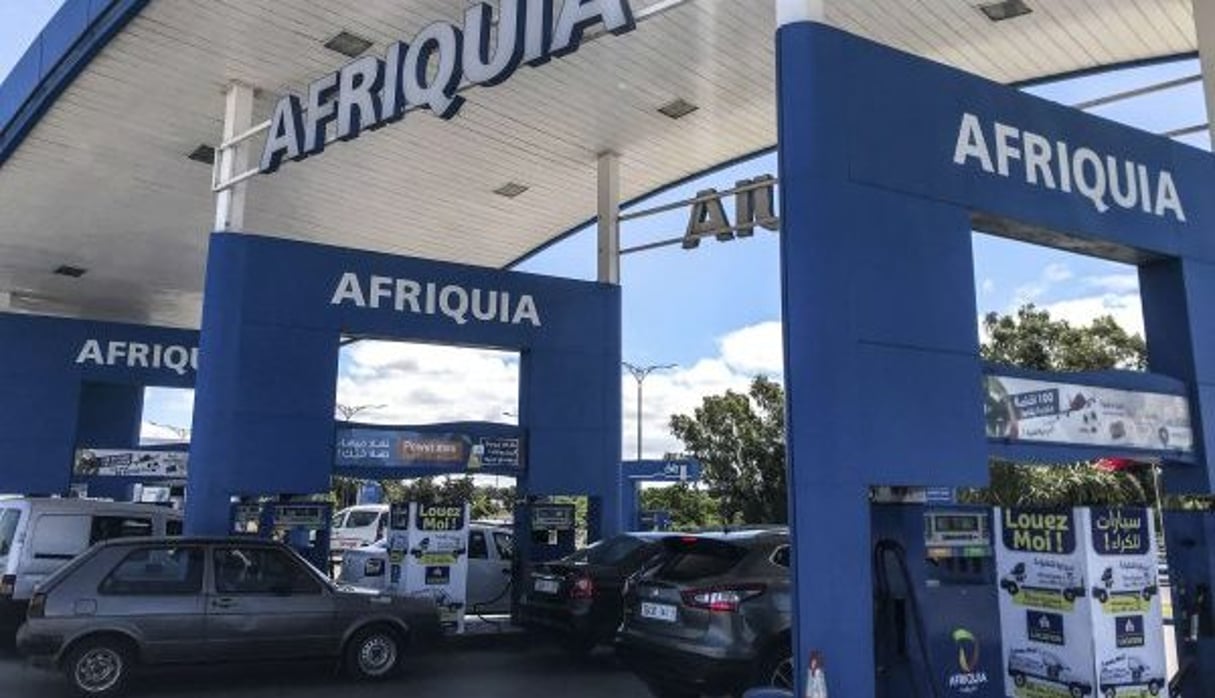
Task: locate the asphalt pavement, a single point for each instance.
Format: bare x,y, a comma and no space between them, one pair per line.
510,670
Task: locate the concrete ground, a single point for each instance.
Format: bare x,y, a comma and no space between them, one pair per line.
512,670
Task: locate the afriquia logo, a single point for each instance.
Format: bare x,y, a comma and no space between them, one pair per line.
971,678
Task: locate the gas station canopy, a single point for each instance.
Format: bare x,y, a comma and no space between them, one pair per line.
99,127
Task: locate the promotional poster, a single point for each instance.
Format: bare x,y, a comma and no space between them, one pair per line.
1125,601
435,558
387,448
131,463
1045,620
1030,410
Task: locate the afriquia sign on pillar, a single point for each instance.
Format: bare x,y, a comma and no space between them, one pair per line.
1079,603
427,71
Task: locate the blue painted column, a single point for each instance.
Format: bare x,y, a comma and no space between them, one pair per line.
1181,343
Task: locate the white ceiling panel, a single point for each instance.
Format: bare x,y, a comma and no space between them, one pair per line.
103,182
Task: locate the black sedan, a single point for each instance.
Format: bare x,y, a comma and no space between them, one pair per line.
579,598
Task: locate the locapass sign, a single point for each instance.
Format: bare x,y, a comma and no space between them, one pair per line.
427,71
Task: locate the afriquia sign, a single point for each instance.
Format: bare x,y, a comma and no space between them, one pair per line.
427,71
459,304
171,357
1104,180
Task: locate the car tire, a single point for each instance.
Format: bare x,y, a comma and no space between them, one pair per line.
374,653
662,689
1019,679
1076,691
777,668
1069,595
1011,588
99,667
1110,693
1154,687
1102,597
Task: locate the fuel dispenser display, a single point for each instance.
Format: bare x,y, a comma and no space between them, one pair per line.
302,525
553,531
936,612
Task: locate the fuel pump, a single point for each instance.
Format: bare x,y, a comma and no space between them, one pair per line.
936,610
1188,534
553,531
301,524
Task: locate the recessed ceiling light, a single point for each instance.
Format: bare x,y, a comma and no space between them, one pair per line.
678,108
511,189
1000,11
204,154
348,44
70,271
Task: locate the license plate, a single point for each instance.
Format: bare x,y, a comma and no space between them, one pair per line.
547,586
658,611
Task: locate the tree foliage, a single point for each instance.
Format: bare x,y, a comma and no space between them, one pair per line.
1033,339
689,506
739,440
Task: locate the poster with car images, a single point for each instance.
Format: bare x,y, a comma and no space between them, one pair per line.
117,463
1125,601
1021,409
1045,622
436,558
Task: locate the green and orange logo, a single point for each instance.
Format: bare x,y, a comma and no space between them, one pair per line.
971,677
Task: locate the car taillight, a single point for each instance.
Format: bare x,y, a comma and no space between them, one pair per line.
8,585
584,588
37,606
725,599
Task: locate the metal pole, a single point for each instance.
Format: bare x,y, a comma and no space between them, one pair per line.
640,373
639,383
609,218
238,117
1204,23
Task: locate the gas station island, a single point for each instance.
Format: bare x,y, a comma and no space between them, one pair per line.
220,196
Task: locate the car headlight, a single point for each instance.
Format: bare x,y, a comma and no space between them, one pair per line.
373,567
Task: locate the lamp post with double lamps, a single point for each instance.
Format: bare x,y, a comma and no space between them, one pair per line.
640,373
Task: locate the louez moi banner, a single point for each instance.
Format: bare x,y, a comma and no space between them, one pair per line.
441,449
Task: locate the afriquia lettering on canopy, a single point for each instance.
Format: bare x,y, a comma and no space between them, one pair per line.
426,72
1103,179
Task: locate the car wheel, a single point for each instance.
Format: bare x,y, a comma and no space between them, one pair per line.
1154,687
1076,691
1019,680
1102,597
1012,588
1147,594
1110,693
662,689
1069,595
99,666
374,653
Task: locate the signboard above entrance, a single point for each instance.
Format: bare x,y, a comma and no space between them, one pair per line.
427,71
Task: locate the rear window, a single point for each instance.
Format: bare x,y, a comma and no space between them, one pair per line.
698,558
608,552
8,529
360,519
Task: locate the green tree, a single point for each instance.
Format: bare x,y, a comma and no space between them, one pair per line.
1033,339
739,440
689,506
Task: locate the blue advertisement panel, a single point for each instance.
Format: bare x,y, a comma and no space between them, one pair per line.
436,447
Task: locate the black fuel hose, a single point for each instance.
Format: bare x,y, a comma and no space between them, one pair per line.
890,548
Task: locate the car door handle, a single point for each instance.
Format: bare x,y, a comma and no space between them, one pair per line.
223,603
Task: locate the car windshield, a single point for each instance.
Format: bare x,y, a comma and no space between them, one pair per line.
8,529
360,519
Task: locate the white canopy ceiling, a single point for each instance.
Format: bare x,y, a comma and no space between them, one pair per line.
103,182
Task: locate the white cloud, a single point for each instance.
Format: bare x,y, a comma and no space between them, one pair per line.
1126,310
988,286
1113,283
419,384
1052,275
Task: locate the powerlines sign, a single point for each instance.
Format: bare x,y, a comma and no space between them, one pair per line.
427,71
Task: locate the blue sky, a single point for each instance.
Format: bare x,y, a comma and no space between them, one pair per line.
714,311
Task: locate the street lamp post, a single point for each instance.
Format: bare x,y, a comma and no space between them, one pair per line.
640,373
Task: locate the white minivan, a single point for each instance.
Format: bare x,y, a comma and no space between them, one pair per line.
356,526
40,535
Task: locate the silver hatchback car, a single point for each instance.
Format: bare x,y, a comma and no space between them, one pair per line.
188,600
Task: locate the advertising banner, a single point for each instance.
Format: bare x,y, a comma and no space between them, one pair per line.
1031,410
1040,563
1125,602
394,448
430,558
116,463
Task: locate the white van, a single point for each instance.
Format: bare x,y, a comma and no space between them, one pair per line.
356,526
38,536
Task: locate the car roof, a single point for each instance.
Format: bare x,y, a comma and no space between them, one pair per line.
86,504
740,535
190,540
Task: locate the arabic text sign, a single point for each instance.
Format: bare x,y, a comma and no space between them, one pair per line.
1021,409
387,448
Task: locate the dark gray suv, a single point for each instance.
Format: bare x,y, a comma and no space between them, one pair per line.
714,617
187,600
